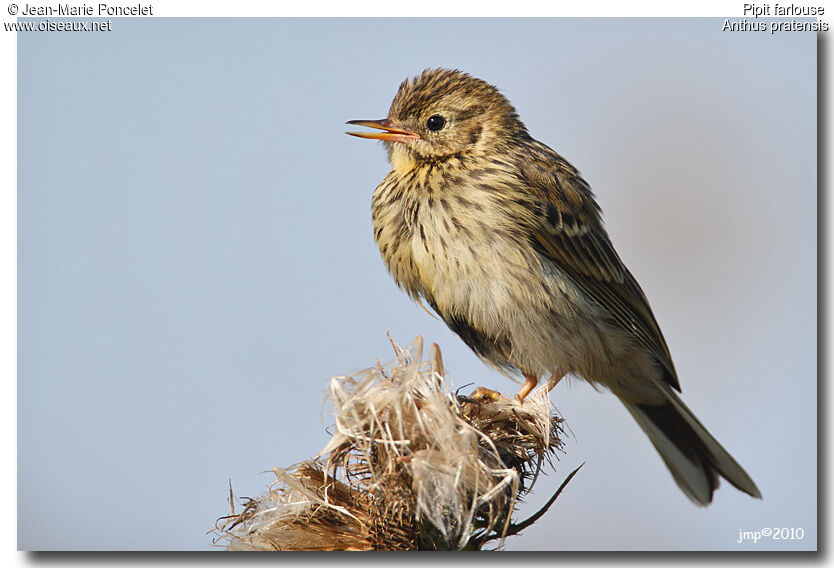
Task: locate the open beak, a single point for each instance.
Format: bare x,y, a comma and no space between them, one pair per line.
391,134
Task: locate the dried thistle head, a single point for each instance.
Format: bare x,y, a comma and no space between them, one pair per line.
410,466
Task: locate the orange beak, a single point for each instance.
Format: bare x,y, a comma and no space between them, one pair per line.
391,134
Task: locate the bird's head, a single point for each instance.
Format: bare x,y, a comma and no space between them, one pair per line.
440,114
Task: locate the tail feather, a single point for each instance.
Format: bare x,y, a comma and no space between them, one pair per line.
694,457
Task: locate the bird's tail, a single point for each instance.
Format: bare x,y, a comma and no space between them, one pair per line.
694,457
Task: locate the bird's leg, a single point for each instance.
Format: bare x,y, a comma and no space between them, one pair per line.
530,382
555,378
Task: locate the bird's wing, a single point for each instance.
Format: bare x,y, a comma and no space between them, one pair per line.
568,230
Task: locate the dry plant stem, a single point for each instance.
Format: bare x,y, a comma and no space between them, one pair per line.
517,528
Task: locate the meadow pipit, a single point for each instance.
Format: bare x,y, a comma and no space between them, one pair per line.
502,237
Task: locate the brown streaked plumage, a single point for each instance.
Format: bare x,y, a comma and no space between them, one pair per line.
503,238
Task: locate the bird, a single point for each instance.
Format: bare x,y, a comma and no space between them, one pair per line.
504,239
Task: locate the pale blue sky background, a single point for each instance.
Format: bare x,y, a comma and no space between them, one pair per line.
196,260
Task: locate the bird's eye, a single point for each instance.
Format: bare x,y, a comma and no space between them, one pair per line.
435,122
